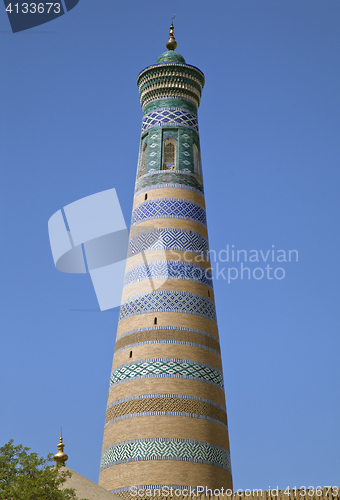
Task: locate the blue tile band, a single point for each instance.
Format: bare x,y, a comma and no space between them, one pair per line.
168,269
168,301
168,239
169,208
170,117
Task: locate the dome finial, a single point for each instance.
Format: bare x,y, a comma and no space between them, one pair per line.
60,457
171,44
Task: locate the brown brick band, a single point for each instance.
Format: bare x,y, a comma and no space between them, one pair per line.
170,405
166,472
174,335
182,386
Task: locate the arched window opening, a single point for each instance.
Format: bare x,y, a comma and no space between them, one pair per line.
196,160
169,154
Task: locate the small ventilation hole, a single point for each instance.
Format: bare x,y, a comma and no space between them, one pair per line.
130,354
208,293
155,321
146,196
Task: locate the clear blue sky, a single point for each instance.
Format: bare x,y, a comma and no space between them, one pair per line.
269,127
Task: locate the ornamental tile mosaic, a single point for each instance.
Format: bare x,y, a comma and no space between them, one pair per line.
167,368
168,270
166,449
168,239
169,208
170,117
171,186
168,301
167,177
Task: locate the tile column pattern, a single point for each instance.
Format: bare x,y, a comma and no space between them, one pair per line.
166,422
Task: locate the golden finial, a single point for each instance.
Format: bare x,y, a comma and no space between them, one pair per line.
60,457
171,44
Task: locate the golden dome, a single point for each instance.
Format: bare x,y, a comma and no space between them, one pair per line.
60,457
171,44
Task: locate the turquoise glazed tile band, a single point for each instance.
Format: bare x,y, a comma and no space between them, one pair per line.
169,177
165,367
166,449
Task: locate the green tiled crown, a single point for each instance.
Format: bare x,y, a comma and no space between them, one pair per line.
170,56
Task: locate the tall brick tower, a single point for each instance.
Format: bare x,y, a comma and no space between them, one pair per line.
166,422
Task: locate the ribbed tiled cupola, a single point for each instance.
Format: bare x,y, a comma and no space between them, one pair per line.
166,422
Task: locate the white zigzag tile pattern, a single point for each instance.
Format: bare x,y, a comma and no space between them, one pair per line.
168,239
169,208
164,367
168,301
166,449
162,269
169,116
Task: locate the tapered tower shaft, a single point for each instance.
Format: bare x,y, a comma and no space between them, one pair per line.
166,422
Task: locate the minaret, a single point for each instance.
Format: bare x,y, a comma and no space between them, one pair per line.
166,422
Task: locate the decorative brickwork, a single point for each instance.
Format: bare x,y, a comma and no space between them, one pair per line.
166,405
159,334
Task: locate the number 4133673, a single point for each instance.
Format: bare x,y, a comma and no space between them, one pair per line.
34,8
